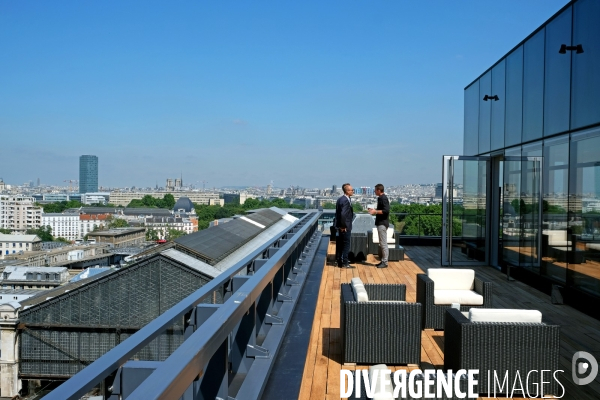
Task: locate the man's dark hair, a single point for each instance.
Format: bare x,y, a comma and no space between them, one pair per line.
379,186
344,187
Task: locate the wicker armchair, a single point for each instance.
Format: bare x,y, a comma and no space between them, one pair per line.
501,347
382,330
434,314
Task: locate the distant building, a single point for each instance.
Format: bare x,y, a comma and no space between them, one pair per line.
162,225
121,237
63,225
236,198
124,198
95,198
184,204
18,295
89,222
19,213
88,174
33,277
18,244
2,185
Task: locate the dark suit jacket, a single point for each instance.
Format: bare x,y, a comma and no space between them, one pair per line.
343,213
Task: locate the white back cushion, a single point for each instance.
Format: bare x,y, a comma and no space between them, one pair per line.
452,279
390,235
504,315
356,281
360,293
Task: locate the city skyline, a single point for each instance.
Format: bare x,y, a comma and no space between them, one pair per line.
245,94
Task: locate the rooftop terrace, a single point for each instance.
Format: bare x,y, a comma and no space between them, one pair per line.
321,377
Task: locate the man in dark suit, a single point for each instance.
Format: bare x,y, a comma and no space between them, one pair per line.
343,223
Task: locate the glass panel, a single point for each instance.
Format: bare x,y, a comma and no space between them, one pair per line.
557,95
469,211
511,207
471,146
498,89
555,206
581,250
533,87
514,97
485,112
586,79
530,202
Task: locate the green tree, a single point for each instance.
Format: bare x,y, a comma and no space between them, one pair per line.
5,231
43,232
152,234
357,207
173,233
329,206
60,206
168,201
118,223
62,239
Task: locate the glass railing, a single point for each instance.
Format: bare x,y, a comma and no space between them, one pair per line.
430,225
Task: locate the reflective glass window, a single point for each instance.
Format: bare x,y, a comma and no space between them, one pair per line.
471,137
485,112
557,93
514,97
533,87
555,195
498,89
582,253
586,79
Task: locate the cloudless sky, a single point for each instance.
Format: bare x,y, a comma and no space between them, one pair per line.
239,92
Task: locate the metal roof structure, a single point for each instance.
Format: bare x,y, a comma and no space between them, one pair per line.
64,329
214,244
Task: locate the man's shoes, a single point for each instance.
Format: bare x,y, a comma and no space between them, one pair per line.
382,265
348,266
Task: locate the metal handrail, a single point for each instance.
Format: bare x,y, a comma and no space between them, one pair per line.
89,377
171,379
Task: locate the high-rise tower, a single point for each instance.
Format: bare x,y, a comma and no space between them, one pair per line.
88,174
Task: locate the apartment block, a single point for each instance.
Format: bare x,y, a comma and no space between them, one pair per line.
19,213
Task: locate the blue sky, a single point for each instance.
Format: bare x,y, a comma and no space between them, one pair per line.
309,93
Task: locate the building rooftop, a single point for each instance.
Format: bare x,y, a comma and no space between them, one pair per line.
20,273
19,238
184,203
89,272
116,232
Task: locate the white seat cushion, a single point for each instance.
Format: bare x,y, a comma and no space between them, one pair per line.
464,297
381,393
452,279
593,246
504,315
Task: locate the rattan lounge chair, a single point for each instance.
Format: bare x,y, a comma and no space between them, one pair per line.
502,346
384,329
461,281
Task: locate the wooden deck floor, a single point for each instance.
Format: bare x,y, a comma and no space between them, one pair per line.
321,378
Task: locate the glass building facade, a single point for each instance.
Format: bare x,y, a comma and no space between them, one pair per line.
542,100
88,174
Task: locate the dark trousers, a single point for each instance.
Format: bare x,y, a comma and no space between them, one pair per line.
342,247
